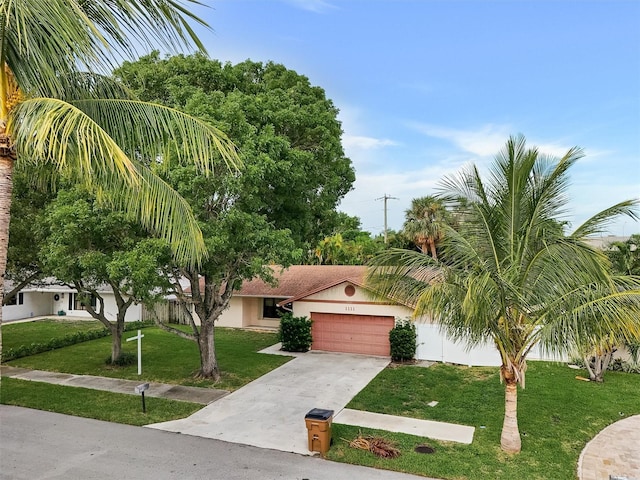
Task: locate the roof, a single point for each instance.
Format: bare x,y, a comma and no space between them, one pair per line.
298,279
303,280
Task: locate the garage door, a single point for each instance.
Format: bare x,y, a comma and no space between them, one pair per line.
367,334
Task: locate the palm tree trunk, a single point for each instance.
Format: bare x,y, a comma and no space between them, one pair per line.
6,188
432,247
510,438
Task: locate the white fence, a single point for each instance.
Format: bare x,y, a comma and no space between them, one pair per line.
435,346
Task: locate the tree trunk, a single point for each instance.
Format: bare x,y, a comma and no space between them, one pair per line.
432,248
208,360
116,336
510,438
6,188
597,365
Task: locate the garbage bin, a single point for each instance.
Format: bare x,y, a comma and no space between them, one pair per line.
318,423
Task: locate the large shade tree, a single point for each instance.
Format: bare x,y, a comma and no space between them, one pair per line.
509,273
294,174
57,112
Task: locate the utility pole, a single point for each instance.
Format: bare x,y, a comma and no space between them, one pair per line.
385,198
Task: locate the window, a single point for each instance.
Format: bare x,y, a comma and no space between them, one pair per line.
17,299
75,302
270,308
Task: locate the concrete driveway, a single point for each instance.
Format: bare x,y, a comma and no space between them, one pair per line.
269,412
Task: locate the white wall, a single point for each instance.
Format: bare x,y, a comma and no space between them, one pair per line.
38,304
35,304
435,346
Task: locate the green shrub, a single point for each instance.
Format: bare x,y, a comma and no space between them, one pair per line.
403,341
66,341
124,360
295,333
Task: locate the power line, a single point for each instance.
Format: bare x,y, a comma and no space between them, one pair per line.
385,198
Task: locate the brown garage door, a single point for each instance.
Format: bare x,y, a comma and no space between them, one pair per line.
367,334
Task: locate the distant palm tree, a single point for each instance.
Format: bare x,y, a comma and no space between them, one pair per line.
510,275
57,113
425,222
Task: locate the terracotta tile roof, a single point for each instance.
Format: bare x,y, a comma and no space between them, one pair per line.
300,279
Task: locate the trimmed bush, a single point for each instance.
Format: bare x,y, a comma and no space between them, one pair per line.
66,341
295,333
124,360
403,341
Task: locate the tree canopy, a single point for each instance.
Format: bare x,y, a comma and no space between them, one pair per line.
510,274
286,129
93,249
282,202
58,112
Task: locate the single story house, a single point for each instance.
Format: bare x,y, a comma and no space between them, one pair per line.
51,298
346,318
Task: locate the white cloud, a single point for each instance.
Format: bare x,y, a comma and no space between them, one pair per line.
360,142
317,6
485,141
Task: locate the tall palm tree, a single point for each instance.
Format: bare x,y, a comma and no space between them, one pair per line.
425,222
510,275
58,114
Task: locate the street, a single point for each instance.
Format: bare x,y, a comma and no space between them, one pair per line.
38,445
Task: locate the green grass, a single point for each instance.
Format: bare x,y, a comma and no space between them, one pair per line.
15,335
166,358
83,402
557,416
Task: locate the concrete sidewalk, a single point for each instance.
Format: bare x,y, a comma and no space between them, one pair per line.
269,412
203,396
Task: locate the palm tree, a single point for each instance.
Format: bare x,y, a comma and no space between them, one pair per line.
510,275
425,222
58,114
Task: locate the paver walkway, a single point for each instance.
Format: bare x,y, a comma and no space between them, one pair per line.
614,453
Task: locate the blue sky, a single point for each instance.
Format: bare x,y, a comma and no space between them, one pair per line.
425,87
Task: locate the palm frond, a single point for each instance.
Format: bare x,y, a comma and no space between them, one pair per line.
599,222
155,132
40,41
161,210
55,132
148,22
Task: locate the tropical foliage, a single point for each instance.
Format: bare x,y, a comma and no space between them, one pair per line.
425,223
94,250
59,116
295,173
509,274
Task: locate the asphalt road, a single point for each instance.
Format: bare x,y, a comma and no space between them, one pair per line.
37,445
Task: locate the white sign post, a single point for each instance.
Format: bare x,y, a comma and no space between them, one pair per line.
139,338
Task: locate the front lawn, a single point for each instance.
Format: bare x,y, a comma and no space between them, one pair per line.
557,416
84,402
15,335
166,358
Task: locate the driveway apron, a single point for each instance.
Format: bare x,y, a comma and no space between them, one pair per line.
269,412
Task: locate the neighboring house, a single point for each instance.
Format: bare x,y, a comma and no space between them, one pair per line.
604,243
52,299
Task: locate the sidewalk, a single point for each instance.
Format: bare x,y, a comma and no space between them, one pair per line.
203,396
613,453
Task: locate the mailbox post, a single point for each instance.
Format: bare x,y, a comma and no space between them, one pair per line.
141,389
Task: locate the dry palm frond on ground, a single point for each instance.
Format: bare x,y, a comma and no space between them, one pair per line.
376,445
